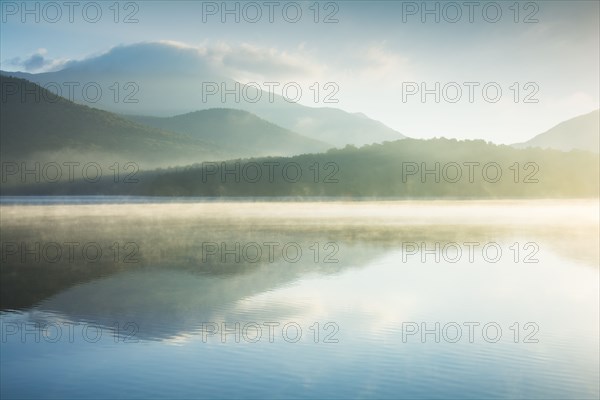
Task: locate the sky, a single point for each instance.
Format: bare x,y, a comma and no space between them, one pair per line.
501,71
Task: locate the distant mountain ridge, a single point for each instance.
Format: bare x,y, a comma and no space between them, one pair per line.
170,81
43,127
234,130
579,133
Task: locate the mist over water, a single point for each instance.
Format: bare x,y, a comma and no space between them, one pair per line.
322,299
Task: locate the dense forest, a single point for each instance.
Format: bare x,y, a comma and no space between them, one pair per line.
406,168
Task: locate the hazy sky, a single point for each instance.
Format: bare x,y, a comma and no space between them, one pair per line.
376,52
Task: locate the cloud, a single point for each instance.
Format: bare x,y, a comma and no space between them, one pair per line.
377,64
241,61
37,62
247,62
247,59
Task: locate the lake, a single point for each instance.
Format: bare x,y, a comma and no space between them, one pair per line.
206,299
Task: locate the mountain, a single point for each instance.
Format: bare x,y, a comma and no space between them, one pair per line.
162,79
237,132
581,133
38,126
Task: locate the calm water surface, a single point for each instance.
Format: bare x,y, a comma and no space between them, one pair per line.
145,299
